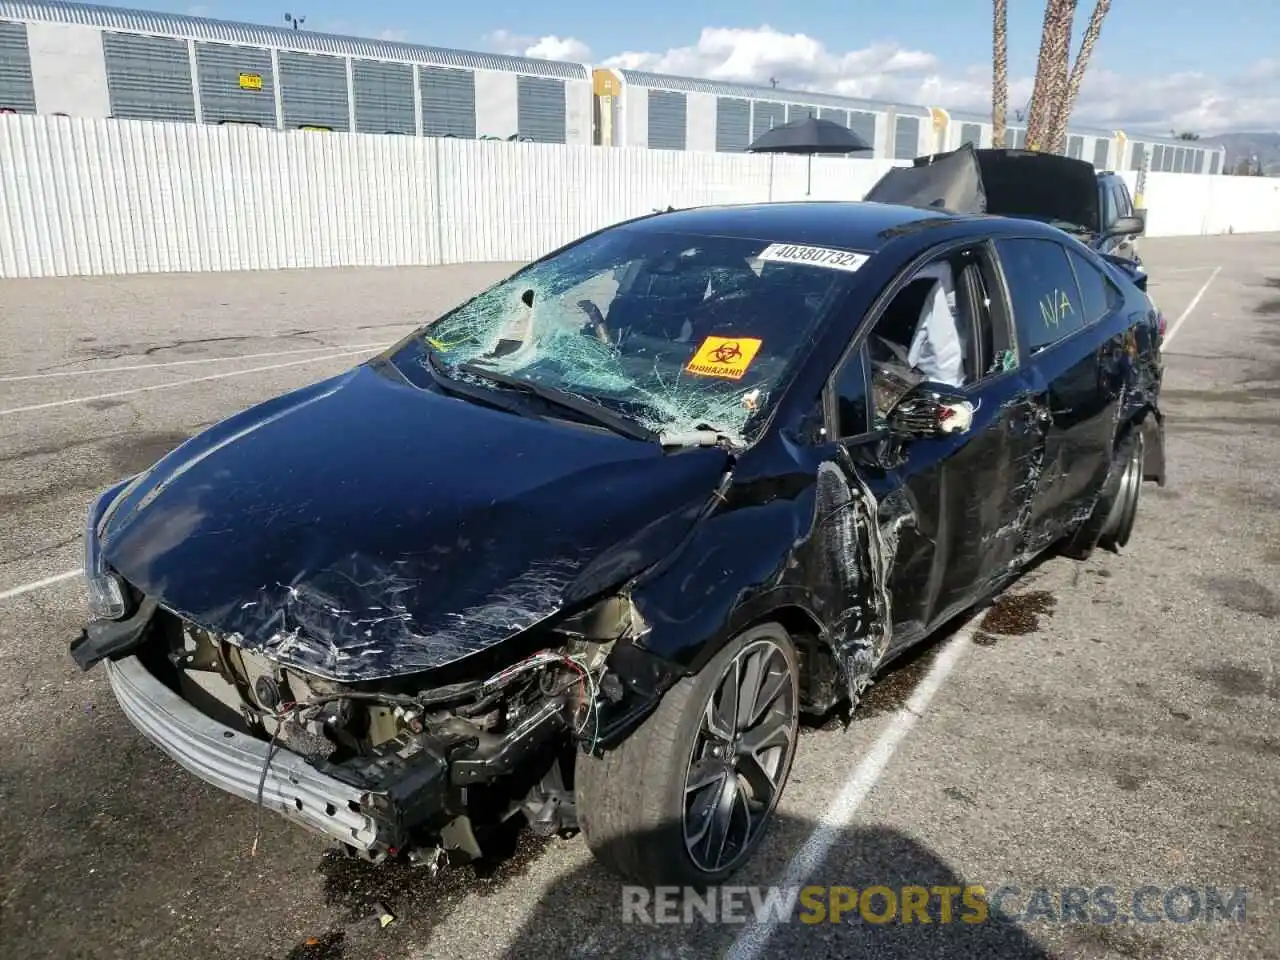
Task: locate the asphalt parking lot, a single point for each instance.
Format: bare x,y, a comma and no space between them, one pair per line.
1112,723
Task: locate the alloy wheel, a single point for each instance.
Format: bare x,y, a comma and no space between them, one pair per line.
1131,490
741,756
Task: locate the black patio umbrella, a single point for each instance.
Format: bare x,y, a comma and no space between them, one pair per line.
809,136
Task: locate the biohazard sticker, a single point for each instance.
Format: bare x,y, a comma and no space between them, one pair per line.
813,256
727,357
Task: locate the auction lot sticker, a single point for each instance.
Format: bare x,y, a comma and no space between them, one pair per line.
726,357
813,256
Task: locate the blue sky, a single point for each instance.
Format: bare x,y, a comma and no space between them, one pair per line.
1204,65
1189,35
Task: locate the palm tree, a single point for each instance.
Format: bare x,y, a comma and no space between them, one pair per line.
1056,140
1051,70
1000,70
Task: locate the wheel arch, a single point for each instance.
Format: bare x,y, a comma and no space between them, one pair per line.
821,683
1147,418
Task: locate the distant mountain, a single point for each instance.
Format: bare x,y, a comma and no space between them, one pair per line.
1264,146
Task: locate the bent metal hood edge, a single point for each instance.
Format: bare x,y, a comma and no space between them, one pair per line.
363,528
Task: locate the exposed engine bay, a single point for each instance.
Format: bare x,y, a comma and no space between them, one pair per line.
439,766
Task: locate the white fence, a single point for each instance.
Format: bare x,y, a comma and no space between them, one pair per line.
90,196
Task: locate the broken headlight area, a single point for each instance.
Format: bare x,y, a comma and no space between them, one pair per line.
110,598
420,767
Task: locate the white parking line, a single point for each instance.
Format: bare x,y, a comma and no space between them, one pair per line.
37,584
1177,324
1165,271
755,935
176,383
182,363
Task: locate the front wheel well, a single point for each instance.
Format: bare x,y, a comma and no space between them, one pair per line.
820,681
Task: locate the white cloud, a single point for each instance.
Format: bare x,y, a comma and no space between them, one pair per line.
888,71
1183,101
555,48
546,48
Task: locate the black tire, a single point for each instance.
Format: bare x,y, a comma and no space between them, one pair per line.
1111,522
631,802
1119,527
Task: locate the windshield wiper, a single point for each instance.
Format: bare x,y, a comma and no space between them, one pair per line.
594,412
443,379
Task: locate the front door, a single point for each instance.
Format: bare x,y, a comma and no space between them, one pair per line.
948,508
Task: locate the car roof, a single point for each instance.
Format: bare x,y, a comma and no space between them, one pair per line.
860,225
846,224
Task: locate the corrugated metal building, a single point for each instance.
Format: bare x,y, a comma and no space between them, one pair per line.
86,60
1105,149
683,113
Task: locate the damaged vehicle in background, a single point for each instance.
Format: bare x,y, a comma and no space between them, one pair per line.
583,550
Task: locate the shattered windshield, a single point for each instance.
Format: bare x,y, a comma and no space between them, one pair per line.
687,336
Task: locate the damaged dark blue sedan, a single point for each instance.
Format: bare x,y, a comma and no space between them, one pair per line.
583,550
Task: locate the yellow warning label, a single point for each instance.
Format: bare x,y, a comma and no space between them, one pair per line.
250,81
727,357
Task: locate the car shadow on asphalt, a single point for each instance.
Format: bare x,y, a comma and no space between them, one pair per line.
591,913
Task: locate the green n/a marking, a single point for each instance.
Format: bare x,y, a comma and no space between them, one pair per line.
1054,307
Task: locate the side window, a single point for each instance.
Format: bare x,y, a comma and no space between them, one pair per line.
1123,202
1109,211
1098,295
852,414
1043,289
926,332
997,348
1120,199
922,334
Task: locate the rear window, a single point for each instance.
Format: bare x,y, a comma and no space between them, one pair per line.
1098,295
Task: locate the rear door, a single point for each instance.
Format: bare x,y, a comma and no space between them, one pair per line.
1068,365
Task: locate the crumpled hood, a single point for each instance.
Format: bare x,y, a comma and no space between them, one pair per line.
363,528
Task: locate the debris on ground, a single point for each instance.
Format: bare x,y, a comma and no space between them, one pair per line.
1016,615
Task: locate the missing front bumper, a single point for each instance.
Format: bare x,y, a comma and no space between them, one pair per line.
233,762
377,804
